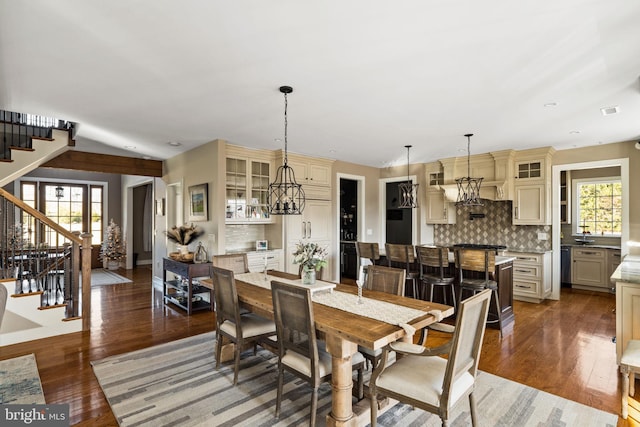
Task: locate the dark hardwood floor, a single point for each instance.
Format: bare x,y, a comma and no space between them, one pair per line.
563,347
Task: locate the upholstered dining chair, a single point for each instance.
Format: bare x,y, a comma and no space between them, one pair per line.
368,251
469,263
403,256
298,350
382,279
425,380
434,262
230,325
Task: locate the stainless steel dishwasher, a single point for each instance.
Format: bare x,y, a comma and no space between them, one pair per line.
565,264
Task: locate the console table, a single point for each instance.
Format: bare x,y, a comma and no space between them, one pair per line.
182,292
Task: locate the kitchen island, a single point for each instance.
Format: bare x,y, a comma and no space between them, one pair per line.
627,280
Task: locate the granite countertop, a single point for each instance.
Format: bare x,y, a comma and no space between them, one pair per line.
591,245
504,259
628,270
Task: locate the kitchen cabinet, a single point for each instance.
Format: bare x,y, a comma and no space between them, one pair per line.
439,210
529,204
627,315
256,260
313,174
589,269
313,225
531,276
504,276
247,186
613,261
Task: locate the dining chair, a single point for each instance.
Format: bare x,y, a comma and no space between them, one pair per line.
403,256
425,380
469,263
299,352
369,251
434,263
382,279
230,325
238,263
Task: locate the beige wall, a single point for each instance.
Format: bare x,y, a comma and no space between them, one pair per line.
613,151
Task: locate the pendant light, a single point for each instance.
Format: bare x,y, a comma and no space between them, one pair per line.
408,191
469,188
59,192
286,196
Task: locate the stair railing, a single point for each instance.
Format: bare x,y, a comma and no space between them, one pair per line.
17,129
45,258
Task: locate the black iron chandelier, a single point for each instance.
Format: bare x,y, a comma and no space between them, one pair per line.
408,191
59,192
286,196
469,188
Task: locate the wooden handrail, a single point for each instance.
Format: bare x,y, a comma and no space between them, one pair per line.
40,216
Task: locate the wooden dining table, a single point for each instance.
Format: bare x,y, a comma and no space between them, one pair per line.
344,332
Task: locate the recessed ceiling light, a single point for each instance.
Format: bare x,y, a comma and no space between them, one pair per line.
174,144
574,132
551,104
146,157
130,147
332,151
607,111
277,140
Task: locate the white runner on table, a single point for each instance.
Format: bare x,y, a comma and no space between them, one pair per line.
383,311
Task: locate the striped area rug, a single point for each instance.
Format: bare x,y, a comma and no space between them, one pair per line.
176,384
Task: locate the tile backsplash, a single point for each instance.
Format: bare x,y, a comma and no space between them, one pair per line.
242,237
494,229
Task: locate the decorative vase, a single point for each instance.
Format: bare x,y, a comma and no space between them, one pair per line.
308,275
200,255
184,249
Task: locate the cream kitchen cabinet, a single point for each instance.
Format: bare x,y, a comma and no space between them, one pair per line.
312,226
530,204
256,260
247,186
589,269
311,172
613,261
439,210
627,285
531,276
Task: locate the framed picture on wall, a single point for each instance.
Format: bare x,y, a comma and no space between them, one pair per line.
198,202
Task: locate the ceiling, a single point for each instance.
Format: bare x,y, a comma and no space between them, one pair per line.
369,77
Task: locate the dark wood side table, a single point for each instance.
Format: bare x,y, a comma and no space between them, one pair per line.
182,292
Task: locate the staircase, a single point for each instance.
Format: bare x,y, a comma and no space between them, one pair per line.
40,262
28,141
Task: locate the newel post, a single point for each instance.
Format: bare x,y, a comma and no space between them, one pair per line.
86,281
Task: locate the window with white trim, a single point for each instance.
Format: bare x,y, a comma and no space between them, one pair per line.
598,206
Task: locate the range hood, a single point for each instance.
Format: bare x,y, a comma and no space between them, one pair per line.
490,190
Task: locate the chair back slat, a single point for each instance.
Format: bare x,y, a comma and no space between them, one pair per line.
368,250
238,263
467,341
386,279
400,253
226,295
295,326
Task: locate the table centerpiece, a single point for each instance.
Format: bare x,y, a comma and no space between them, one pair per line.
312,257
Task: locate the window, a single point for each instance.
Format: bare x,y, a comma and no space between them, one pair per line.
75,207
599,206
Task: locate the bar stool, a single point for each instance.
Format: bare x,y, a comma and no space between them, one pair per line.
629,364
433,260
480,261
370,251
402,256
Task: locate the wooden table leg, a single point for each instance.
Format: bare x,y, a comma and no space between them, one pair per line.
341,381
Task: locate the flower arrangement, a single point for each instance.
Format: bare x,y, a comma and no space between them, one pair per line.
310,255
184,234
112,248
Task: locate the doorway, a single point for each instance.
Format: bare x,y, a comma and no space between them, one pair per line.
399,221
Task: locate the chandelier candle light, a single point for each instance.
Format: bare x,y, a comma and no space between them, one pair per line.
408,191
469,188
286,196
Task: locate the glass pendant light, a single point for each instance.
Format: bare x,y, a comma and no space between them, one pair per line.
286,196
408,191
469,188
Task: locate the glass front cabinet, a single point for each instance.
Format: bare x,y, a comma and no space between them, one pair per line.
247,190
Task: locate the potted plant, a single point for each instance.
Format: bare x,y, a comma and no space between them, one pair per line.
312,257
112,249
182,236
